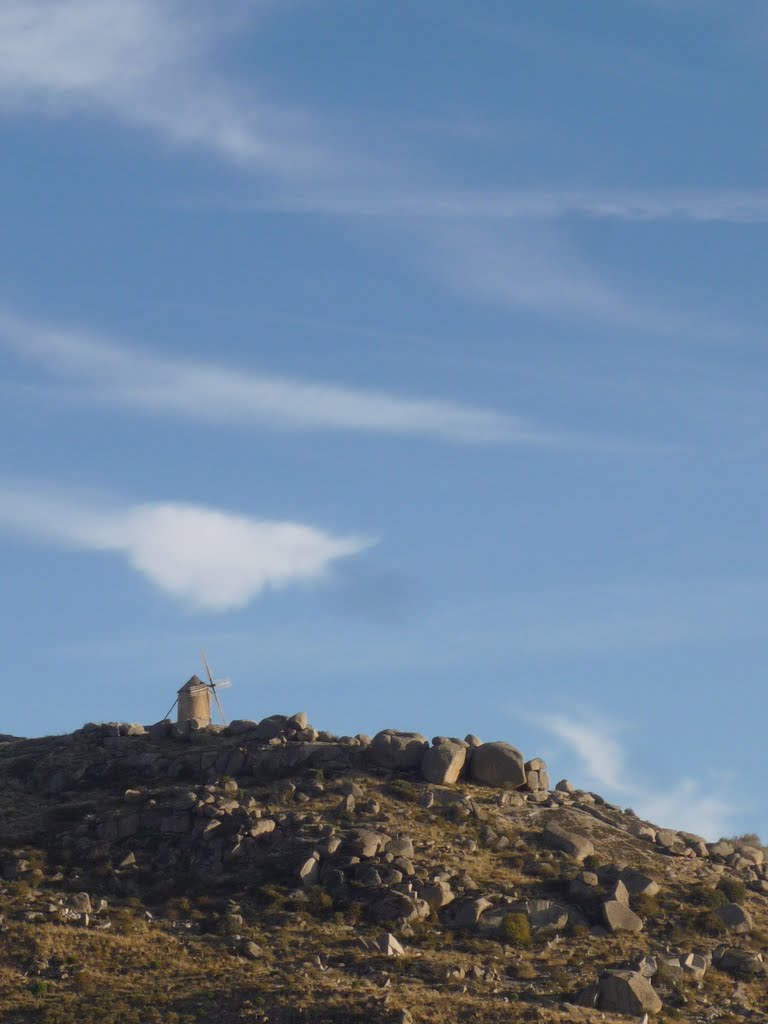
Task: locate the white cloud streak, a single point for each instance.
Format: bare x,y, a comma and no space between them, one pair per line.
685,804
691,205
148,63
212,560
119,376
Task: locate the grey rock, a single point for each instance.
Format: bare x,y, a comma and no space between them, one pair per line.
627,992
497,764
547,917
738,961
309,872
241,725
637,883
270,728
437,895
465,913
619,918
574,845
79,903
735,918
398,750
388,945
391,905
443,762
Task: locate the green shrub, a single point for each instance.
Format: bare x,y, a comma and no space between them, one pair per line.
39,989
709,924
319,902
645,905
705,896
733,889
516,931
592,862
402,789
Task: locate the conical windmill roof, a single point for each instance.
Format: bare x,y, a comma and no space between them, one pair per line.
193,683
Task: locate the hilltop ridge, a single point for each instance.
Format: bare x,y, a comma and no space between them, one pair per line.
270,871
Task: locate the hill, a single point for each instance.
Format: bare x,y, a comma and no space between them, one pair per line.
269,873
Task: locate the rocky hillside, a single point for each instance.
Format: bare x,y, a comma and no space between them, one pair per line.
268,872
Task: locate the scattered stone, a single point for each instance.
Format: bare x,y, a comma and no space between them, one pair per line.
627,992
619,918
388,945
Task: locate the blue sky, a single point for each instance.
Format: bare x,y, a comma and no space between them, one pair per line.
409,358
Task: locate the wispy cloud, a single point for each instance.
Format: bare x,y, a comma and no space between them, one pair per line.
692,205
116,375
150,64
211,559
598,744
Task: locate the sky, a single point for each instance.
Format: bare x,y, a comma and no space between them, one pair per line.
410,359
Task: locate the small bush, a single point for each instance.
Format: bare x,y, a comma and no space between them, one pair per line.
592,862
705,896
709,924
645,906
319,902
402,789
516,931
733,889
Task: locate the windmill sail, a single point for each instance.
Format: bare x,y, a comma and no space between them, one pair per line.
213,686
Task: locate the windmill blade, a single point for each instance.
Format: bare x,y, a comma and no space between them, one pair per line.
207,666
223,684
218,703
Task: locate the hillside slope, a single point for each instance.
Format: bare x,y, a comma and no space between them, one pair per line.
268,872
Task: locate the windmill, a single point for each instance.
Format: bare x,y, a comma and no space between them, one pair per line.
194,697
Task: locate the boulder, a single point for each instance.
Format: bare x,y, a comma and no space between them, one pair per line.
442,763
400,848
391,905
160,730
465,913
388,945
364,842
547,917
537,779
241,725
735,918
79,903
569,842
437,895
619,918
627,992
399,750
741,962
497,764
637,883
619,892
309,872
270,728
